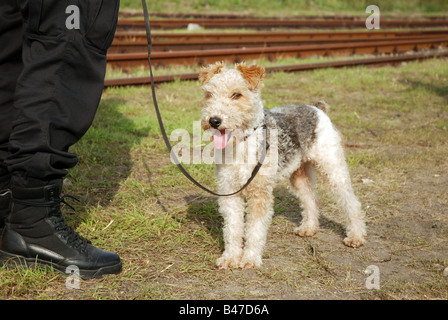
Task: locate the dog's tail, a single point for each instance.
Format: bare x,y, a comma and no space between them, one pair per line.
322,105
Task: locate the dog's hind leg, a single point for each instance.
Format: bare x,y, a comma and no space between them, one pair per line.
302,182
328,156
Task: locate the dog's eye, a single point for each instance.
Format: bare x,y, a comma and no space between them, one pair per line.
208,95
236,96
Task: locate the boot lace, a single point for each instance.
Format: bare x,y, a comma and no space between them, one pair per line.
4,192
72,237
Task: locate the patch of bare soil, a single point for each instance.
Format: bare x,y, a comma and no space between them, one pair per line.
407,244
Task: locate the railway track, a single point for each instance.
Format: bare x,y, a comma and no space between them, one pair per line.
132,43
200,57
291,68
289,35
129,49
260,24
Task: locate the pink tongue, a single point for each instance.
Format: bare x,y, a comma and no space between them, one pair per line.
220,139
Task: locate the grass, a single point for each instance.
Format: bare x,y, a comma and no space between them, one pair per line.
135,202
291,7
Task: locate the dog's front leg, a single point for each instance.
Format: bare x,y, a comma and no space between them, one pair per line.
232,210
260,211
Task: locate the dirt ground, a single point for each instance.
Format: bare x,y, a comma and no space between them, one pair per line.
408,245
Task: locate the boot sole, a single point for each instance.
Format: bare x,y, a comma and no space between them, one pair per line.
15,261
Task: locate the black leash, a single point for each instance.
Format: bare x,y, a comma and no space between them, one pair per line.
165,137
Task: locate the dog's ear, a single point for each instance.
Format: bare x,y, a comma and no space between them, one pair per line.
209,71
252,74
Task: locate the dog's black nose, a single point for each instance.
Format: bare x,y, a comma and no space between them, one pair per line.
215,122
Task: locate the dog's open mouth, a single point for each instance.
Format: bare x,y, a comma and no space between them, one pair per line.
220,138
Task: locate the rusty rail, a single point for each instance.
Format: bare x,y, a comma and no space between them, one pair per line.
134,45
192,57
259,24
291,68
290,35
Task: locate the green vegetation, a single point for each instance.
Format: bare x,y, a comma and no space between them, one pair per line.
291,7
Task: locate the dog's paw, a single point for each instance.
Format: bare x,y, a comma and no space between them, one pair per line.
305,231
250,262
227,262
354,242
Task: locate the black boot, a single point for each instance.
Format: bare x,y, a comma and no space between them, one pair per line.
36,233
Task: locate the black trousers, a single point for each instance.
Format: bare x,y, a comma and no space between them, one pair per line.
51,80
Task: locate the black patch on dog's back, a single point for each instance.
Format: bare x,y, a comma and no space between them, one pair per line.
296,127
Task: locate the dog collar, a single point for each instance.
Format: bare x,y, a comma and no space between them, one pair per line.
262,125
265,141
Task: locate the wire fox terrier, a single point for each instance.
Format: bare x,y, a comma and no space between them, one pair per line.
305,140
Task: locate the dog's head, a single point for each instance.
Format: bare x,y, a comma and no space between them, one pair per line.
231,99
